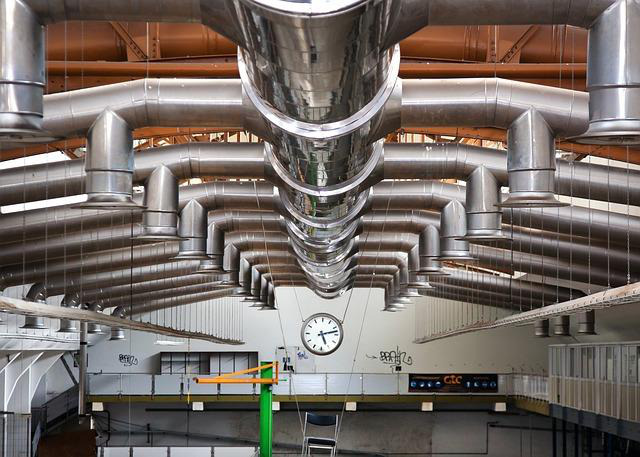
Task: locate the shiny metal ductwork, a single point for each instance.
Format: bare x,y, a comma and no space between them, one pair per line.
562,326
192,231
215,251
484,218
71,300
22,73
429,246
453,229
117,334
587,323
93,328
160,214
37,293
324,102
108,164
531,163
541,328
613,76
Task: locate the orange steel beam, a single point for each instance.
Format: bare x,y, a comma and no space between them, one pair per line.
134,51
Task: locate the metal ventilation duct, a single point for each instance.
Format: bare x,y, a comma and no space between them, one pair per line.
22,75
324,100
108,164
613,76
161,205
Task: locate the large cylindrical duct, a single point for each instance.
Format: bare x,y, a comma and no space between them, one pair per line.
429,245
160,214
22,75
484,218
322,114
613,76
108,164
70,301
453,228
37,293
215,251
192,230
531,162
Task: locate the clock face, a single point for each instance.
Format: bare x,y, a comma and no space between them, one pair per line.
322,334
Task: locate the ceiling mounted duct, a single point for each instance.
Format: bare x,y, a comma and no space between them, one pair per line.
22,74
109,165
416,280
161,202
117,334
484,218
93,328
254,296
69,301
613,76
192,230
531,163
231,264
323,115
541,328
37,293
587,323
562,326
453,227
215,251
429,245
244,279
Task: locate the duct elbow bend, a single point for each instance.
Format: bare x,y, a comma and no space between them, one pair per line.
613,76
161,204
37,293
531,163
109,164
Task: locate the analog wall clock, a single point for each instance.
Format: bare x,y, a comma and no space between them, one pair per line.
322,334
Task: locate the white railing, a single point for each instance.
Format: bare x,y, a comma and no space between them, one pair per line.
529,386
107,384
164,451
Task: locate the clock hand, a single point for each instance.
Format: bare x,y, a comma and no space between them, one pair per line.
322,335
329,333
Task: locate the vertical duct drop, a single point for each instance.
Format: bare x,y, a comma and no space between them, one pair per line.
613,76
22,74
215,251
192,230
429,243
531,163
69,301
109,164
453,228
484,218
541,328
562,326
160,215
117,333
37,293
587,323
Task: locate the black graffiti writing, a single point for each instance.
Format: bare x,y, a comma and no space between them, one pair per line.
128,359
394,357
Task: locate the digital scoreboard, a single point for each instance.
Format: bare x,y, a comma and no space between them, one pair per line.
453,383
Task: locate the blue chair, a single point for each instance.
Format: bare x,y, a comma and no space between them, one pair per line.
312,442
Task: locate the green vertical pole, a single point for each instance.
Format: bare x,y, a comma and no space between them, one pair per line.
266,413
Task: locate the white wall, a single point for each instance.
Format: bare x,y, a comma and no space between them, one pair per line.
504,350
